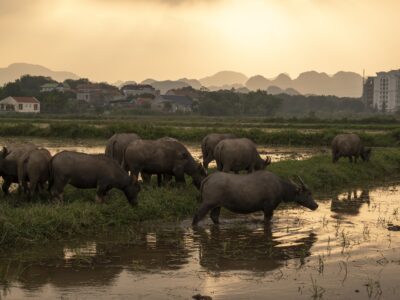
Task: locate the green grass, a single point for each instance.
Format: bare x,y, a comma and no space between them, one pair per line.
268,134
41,221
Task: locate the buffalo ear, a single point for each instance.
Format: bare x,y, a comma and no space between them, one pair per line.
298,187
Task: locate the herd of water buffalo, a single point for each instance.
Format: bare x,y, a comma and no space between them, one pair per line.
127,155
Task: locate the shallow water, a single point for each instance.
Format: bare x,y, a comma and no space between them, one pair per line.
341,251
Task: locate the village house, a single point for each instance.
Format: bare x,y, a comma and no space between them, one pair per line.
187,91
55,86
20,104
139,89
173,103
97,94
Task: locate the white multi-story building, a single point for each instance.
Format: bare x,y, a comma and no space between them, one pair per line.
386,91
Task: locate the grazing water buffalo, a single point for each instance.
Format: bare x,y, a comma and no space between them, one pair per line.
34,166
349,145
146,177
117,144
163,157
86,171
248,193
209,143
237,155
9,158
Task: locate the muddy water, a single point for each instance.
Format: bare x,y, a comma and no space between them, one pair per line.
98,146
341,251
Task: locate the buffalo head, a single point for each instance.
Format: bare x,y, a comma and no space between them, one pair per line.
303,195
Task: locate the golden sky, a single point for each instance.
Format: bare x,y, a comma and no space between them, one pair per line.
133,40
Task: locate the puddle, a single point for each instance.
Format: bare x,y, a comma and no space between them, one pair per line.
341,251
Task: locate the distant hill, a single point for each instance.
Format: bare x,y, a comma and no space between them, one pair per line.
341,84
258,82
165,85
194,83
224,78
15,71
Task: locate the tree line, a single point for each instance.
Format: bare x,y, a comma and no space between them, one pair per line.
217,103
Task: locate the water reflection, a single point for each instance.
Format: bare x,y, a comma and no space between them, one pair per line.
350,202
345,243
99,263
248,249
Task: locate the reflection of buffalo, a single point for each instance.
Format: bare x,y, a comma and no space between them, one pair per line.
98,264
349,203
248,249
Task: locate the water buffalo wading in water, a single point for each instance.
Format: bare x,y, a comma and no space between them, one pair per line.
34,166
209,143
248,193
237,155
349,145
163,157
117,144
9,157
86,171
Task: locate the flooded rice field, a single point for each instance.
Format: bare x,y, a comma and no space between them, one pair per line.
98,146
343,250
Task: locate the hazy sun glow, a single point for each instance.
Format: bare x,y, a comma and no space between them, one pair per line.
133,40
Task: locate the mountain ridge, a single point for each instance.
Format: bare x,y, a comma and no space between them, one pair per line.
341,84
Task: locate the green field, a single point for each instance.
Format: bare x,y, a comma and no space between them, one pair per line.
274,132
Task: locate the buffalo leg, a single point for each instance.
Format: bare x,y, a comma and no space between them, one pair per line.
33,186
214,215
355,158
268,213
159,179
6,186
350,159
206,161
226,168
101,193
146,177
200,214
335,157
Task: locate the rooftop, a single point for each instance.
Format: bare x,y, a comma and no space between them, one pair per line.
25,99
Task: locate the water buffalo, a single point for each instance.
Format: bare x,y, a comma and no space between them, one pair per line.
248,193
33,166
9,157
209,143
146,177
117,144
87,171
349,145
163,157
237,155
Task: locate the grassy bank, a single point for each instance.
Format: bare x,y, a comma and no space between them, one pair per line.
40,221
282,136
